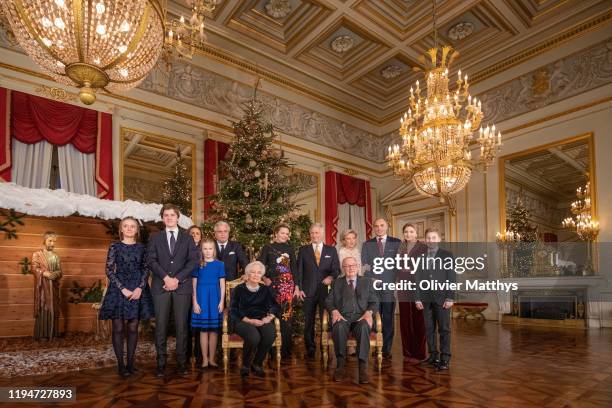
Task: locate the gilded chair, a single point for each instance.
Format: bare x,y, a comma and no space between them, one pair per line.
376,339
234,341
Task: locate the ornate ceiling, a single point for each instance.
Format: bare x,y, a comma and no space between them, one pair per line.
361,56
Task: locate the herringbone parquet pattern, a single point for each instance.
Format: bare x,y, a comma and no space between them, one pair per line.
492,366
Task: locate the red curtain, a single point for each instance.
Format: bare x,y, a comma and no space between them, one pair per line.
5,136
33,119
214,153
341,189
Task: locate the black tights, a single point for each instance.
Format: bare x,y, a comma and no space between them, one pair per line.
132,340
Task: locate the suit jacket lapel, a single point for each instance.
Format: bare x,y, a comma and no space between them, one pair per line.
166,245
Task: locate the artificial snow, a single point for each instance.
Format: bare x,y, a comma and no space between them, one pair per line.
60,203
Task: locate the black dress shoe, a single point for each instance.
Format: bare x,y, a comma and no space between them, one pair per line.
182,370
442,365
160,372
258,371
244,372
433,360
132,369
123,371
386,355
310,354
363,373
198,362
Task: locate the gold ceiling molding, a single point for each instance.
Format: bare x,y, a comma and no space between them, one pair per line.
224,57
544,46
558,115
567,35
217,125
57,94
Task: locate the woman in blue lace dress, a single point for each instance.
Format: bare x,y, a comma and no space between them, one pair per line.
128,298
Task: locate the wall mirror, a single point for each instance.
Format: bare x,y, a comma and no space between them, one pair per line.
147,160
544,180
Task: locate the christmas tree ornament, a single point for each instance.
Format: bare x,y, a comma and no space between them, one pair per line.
253,170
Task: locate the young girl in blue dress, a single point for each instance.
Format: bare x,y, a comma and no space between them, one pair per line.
208,301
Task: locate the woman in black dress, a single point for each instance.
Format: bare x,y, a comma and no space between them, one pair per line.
128,298
279,259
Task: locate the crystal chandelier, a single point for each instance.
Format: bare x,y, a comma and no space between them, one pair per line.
184,36
437,131
90,44
586,227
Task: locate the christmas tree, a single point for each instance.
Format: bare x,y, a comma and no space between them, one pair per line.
255,192
518,222
176,189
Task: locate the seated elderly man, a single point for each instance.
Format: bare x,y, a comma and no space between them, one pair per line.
351,304
252,311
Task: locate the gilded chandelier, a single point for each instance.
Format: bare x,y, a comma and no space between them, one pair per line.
437,131
586,227
90,44
184,36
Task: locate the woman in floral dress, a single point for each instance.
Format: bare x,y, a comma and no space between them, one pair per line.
279,259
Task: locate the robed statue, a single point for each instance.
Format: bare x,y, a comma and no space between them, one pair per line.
47,274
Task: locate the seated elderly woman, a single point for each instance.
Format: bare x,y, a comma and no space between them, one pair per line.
252,310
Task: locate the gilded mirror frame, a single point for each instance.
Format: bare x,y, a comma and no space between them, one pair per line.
589,137
176,141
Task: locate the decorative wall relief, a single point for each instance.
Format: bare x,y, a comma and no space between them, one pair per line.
562,79
205,89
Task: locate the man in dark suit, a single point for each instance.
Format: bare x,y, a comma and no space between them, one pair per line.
172,257
436,303
351,303
382,246
317,267
229,252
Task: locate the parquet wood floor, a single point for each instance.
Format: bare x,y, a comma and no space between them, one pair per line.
492,366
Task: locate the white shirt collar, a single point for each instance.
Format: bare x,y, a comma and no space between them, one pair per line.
222,243
348,280
175,230
319,245
384,238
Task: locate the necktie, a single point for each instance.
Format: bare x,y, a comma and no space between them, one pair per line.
221,250
172,242
318,255
352,284
381,250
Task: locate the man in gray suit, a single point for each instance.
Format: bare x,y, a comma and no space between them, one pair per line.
351,303
172,257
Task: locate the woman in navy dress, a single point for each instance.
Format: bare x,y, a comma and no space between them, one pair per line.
208,301
128,298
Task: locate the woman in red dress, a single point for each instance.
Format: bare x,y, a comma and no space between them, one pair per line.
412,323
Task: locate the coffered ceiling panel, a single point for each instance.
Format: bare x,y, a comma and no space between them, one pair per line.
390,78
481,25
400,17
342,48
279,24
357,56
534,11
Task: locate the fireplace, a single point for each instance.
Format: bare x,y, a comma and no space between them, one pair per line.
551,304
